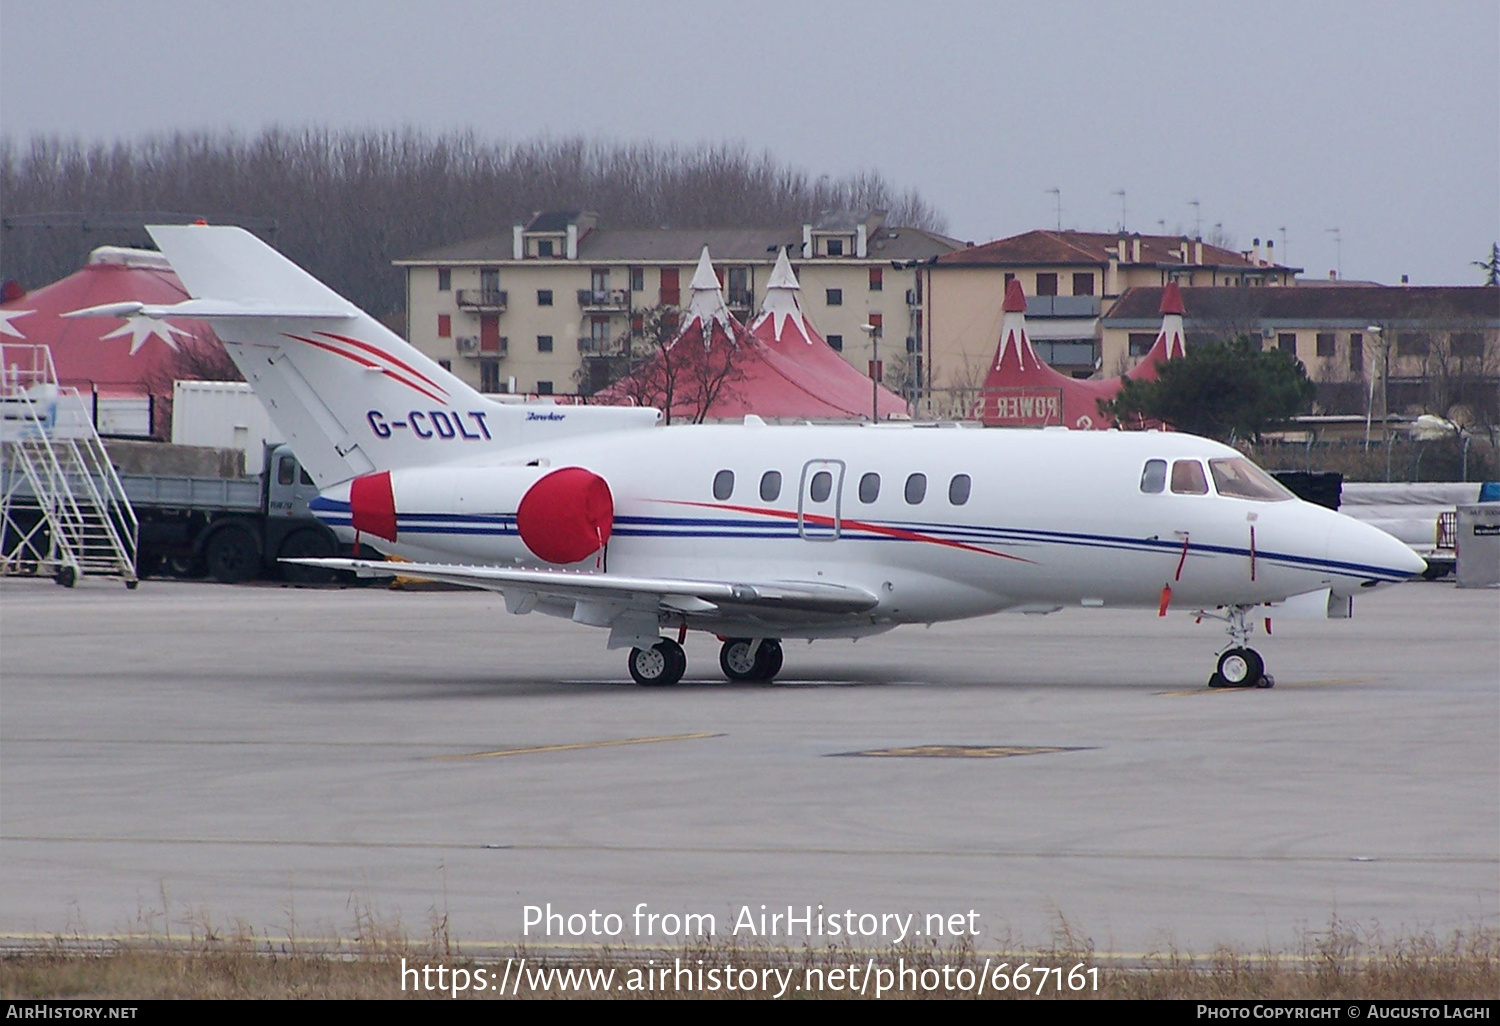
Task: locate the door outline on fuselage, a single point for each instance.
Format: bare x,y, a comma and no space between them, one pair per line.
806,506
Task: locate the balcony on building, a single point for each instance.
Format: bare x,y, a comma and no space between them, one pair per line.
490,300
604,300
591,345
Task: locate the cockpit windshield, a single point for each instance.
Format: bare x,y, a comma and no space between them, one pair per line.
1238,478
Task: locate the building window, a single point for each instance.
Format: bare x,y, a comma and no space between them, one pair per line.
543,297
637,279
877,279
836,343
1083,284
1413,343
1466,343
489,375
445,326
1141,342
544,388
1046,283
835,247
489,279
1326,346
544,343
1287,342
835,297
544,247
1357,353
445,280
877,321
1010,276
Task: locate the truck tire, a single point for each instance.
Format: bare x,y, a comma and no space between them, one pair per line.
232,555
307,543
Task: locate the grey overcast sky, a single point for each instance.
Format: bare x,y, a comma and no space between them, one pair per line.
1379,118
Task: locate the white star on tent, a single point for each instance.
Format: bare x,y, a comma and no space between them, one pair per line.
7,328
140,329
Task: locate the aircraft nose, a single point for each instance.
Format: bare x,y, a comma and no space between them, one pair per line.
1370,555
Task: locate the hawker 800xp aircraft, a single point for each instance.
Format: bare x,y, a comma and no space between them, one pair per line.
751,532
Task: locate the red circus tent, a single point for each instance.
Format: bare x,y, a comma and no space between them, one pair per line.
1021,390
101,355
716,369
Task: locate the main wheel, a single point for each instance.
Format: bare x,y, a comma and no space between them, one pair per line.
663,663
768,660
232,556
739,659
1240,668
307,543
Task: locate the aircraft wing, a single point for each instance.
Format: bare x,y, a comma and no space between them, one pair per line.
620,590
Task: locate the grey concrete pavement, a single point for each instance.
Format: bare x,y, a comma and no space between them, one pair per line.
295,759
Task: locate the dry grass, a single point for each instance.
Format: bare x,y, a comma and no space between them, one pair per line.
1341,962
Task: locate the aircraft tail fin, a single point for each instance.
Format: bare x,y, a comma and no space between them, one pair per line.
350,396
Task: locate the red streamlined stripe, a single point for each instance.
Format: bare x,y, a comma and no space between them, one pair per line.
369,363
386,356
822,521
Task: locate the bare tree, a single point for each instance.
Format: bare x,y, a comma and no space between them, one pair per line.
684,377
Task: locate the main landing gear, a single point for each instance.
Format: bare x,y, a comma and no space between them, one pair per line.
756,659
1239,666
741,659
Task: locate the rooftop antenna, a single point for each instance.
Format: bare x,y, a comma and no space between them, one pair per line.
1161,225
1121,193
1057,194
1197,218
1282,230
1338,243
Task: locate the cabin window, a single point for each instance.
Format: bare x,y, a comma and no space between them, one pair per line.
1238,478
770,486
916,488
1154,477
1188,478
286,470
869,488
821,486
723,484
958,489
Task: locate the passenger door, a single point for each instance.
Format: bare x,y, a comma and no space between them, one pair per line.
820,496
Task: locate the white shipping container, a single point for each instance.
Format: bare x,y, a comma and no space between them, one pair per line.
225,414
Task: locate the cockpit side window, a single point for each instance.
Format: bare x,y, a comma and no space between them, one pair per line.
1154,477
1238,478
1188,478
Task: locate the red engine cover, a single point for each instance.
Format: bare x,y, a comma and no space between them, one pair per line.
566,516
372,505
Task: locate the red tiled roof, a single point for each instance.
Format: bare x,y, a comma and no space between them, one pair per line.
1092,248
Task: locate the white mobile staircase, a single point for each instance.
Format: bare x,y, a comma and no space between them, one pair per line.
63,511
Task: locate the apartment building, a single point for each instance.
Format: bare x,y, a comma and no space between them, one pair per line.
551,307
1401,349
1069,278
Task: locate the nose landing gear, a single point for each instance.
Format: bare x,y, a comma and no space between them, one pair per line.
1239,665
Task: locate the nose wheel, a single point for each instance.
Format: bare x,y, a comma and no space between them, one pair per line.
663,663
756,659
1239,665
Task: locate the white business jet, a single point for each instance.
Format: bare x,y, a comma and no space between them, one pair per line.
751,532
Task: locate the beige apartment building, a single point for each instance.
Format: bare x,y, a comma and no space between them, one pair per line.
553,306
1380,348
1069,278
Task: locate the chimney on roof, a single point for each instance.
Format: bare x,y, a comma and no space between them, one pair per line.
517,243
1257,261
1406,279
1333,275
807,242
1270,252
861,241
1135,248
1121,247
1198,251
572,240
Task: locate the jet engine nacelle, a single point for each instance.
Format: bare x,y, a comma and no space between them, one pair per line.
559,515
